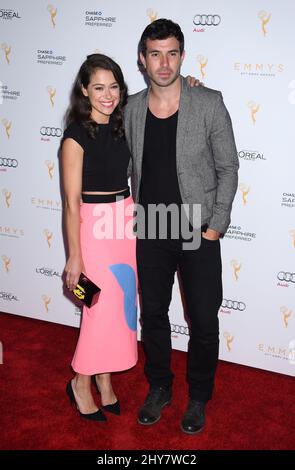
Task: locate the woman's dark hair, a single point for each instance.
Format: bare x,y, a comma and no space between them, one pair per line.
161,29
80,108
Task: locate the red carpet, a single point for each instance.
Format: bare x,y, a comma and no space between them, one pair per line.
251,409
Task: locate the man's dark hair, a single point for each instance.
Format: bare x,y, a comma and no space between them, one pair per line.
161,29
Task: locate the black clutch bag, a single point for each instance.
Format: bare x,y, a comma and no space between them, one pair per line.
86,291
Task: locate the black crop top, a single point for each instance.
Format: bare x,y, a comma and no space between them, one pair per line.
105,159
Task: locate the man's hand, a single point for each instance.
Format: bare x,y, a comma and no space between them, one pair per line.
192,81
211,234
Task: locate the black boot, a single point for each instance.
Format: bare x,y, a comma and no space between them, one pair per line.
156,399
193,420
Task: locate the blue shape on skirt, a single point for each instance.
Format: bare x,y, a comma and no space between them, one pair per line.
126,279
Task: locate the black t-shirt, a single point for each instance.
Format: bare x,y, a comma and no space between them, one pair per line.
159,182
105,160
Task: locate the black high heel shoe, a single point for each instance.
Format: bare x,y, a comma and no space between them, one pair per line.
96,416
114,408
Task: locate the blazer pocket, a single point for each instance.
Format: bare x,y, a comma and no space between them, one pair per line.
209,190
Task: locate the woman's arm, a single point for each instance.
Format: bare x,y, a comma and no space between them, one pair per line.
72,164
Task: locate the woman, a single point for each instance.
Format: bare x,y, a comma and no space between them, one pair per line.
95,159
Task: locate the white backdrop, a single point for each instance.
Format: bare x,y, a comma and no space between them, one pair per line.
247,52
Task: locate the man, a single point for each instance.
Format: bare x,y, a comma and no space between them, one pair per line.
184,152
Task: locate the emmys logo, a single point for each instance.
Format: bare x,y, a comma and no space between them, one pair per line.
11,232
286,315
52,11
52,92
278,352
245,191
43,203
7,50
153,15
7,126
258,69
254,108
50,168
264,18
6,262
7,195
46,301
48,236
202,64
292,234
229,339
236,269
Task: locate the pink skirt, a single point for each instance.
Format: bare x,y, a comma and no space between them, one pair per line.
108,340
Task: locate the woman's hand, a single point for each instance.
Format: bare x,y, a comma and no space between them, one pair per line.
193,81
73,269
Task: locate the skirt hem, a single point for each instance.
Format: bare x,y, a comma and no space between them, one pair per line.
105,371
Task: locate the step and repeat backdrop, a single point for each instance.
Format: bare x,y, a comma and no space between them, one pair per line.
247,52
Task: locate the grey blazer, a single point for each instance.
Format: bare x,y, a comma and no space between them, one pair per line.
206,155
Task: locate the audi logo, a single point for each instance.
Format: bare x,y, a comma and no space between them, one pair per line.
182,330
51,131
233,304
288,277
11,162
206,20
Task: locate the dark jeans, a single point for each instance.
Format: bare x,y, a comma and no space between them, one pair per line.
200,273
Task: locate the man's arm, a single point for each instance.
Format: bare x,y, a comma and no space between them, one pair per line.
226,167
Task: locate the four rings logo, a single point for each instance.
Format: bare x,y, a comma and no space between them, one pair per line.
8,162
51,131
181,329
206,20
233,304
285,276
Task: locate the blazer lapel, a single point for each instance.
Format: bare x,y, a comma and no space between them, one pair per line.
183,119
140,129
